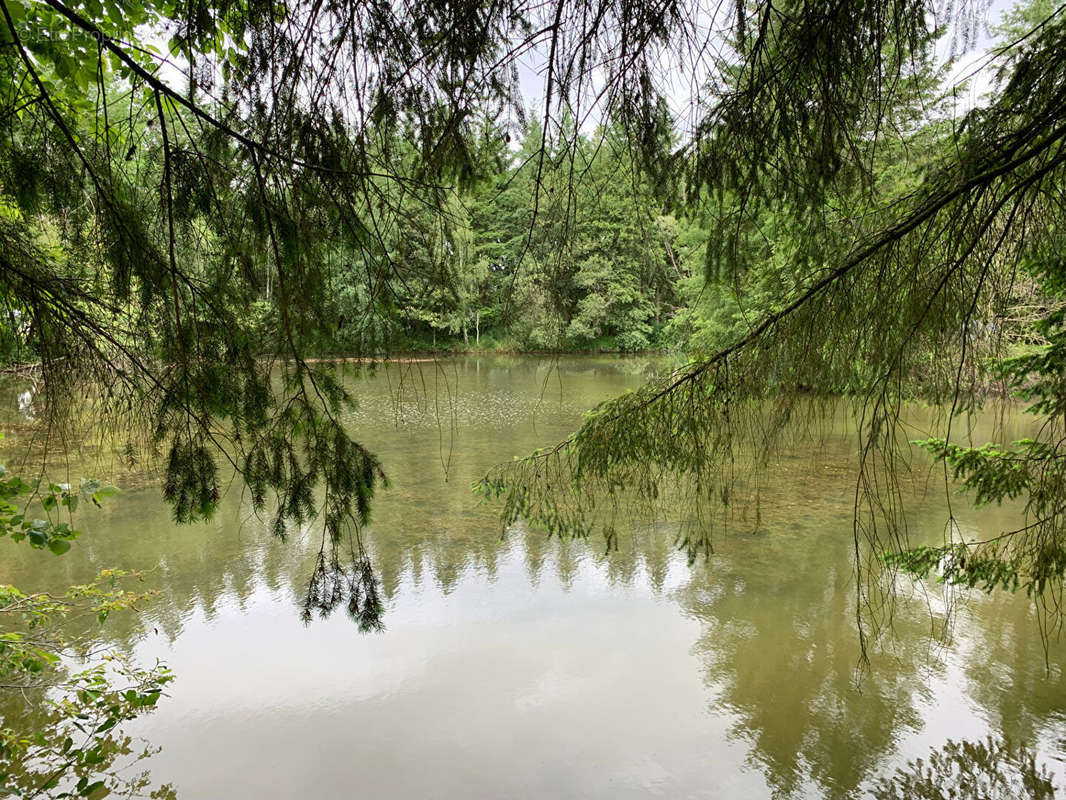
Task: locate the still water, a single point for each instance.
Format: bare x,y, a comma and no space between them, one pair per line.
522,667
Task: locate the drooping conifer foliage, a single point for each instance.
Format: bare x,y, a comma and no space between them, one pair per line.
179,178
904,287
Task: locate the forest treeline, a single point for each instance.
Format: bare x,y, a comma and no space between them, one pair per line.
578,251
564,243
566,240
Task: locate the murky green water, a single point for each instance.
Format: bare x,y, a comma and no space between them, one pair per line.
526,668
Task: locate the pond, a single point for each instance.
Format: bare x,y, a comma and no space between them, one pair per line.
519,666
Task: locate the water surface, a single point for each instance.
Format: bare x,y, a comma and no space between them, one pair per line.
523,667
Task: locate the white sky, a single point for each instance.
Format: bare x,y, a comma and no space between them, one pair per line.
971,78
975,66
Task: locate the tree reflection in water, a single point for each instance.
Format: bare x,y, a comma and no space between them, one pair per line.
993,769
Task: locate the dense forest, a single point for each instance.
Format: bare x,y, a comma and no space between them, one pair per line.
600,265
606,262
208,212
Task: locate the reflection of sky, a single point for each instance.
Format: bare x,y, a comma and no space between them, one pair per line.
496,689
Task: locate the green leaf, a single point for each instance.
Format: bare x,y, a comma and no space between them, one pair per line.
59,546
90,788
